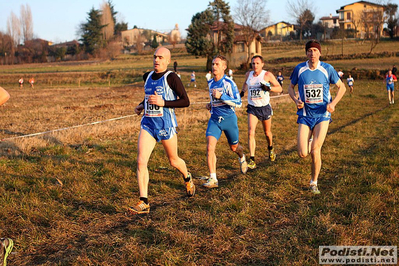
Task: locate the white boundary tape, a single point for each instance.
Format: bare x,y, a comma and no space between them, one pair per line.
65,128
94,123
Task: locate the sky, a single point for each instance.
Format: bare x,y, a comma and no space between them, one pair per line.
58,21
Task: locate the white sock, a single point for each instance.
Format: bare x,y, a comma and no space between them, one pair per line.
213,176
313,183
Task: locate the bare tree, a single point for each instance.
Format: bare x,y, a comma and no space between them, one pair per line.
373,20
26,23
303,12
108,21
14,28
253,16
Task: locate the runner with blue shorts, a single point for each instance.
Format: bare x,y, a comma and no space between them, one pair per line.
390,79
224,98
314,104
164,91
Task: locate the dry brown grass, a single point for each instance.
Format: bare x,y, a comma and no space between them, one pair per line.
64,195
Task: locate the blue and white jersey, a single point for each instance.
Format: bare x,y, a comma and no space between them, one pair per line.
158,117
230,98
314,88
350,81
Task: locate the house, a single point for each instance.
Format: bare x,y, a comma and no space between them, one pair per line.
281,28
363,17
240,51
132,36
67,45
330,22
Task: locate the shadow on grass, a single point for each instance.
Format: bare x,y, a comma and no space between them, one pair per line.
356,120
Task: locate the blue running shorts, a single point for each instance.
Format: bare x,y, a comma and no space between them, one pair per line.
311,122
390,87
227,124
160,134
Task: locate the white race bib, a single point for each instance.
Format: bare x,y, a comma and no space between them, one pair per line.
217,102
313,93
255,94
152,110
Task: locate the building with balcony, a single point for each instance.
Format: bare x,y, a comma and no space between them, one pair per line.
366,19
281,28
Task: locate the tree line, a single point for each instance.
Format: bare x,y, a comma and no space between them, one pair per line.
212,31
99,37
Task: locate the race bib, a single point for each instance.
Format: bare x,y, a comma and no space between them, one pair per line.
217,102
313,93
350,83
255,94
152,110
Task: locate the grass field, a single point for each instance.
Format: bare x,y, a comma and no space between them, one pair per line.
64,195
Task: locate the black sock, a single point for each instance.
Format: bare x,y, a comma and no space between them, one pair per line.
270,148
187,179
144,199
252,158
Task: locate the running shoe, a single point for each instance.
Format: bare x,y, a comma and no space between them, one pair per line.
139,208
190,187
272,155
243,166
251,164
314,189
6,246
211,183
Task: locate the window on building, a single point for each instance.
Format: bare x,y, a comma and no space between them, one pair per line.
348,16
240,47
348,26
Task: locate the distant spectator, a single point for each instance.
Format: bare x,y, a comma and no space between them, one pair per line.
340,74
21,82
394,70
192,80
230,73
31,82
208,76
175,66
280,79
350,82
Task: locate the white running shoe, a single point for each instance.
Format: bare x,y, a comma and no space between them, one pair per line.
211,183
243,165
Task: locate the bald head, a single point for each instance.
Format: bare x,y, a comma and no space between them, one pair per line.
161,59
